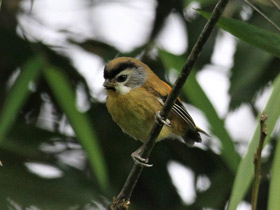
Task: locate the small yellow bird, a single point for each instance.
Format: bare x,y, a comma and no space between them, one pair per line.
135,95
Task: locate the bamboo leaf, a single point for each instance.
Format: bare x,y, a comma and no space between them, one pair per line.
258,37
250,75
274,189
245,171
197,96
18,94
85,133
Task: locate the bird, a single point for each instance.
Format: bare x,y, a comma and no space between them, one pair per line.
135,95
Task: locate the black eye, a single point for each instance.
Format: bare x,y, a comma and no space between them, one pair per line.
121,78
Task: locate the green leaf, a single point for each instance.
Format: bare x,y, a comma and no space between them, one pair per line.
18,94
250,75
253,35
72,190
199,99
85,133
25,140
245,171
274,189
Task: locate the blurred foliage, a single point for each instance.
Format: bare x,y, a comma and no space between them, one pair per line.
264,66
242,182
39,84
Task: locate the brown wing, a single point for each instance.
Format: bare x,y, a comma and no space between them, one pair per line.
192,135
179,109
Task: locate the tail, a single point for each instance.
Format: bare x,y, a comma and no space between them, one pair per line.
193,136
202,131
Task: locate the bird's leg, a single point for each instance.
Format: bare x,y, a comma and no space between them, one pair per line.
159,119
138,159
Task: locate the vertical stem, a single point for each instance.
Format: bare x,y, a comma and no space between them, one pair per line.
257,162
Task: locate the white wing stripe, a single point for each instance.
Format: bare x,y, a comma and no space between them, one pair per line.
183,114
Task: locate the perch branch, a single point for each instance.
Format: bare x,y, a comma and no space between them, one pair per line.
126,192
257,161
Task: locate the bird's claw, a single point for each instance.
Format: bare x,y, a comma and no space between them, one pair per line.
139,160
165,122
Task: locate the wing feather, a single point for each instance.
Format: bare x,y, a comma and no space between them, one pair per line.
179,110
183,114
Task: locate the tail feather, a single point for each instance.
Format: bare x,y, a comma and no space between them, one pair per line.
202,131
194,136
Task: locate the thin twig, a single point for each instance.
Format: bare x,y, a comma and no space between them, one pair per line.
125,194
275,4
257,162
262,14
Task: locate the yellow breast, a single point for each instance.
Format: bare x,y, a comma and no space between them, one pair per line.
135,112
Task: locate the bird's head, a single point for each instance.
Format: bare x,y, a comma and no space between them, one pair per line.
124,74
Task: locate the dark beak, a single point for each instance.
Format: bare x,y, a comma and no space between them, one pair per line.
109,85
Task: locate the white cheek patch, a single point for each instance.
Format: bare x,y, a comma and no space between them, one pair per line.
122,89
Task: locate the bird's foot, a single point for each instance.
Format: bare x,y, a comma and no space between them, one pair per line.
140,160
160,119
